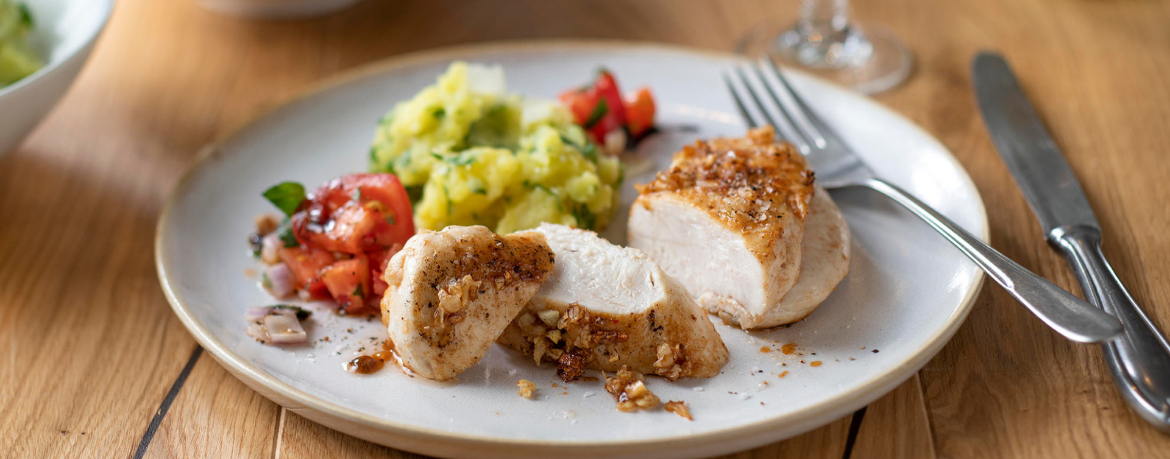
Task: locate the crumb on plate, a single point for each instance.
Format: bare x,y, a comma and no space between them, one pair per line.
630,391
680,408
527,388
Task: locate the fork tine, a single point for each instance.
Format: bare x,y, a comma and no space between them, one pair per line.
747,84
790,109
785,129
743,111
822,128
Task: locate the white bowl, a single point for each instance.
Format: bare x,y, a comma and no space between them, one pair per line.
63,35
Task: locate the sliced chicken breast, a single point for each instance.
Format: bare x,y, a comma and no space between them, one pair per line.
606,306
824,262
728,220
452,292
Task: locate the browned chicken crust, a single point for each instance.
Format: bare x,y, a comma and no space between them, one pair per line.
465,285
744,180
578,339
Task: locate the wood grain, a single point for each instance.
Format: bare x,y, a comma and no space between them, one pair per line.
92,346
896,426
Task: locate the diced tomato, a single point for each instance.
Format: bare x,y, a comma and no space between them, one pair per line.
580,103
355,214
586,109
380,285
379,258
378,261
306,264
639,111
348,281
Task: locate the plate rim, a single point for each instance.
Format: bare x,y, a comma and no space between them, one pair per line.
238,366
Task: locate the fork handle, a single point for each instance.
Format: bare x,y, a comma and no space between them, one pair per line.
1139,360
1061,310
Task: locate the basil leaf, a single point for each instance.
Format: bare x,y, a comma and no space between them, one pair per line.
286,196
599,111
357,291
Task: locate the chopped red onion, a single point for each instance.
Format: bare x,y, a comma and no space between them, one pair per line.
285,329
256,313
280,280
257,331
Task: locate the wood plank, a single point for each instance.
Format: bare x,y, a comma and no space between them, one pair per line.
896,426
216,415
91,345
302,438
1006,386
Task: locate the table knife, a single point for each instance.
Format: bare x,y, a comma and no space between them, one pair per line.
1139,359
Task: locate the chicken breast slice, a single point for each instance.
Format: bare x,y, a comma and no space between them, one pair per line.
606,306
728,220
824,262
452,292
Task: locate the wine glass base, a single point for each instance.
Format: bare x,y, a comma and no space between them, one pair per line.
888,64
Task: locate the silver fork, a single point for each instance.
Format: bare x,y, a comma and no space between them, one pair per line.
837,166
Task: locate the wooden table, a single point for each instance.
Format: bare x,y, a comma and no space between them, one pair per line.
97,365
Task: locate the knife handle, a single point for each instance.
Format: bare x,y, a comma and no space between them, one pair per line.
1061,310
1139,360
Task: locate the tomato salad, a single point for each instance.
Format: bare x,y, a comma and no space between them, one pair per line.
612,121
334,243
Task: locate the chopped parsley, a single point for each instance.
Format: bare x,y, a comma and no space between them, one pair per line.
302,314
286,234
585,218
462,159
357,291
589,150
25,15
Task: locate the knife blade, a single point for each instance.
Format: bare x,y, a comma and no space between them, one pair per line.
1039,169
1139,360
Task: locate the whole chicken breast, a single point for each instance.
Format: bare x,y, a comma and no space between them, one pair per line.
728,220
606,306
452,292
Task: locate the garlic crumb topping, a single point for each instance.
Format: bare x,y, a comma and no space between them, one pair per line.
527,388
629,389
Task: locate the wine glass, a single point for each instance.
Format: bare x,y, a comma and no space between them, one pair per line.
826,42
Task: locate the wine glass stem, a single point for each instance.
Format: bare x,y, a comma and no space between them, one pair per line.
825,37
831,16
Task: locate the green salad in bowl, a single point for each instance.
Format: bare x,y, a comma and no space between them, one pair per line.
17,60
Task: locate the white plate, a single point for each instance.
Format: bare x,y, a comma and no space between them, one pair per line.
906,294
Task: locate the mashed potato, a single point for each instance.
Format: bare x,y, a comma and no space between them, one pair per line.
471,154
